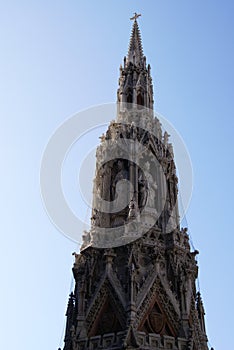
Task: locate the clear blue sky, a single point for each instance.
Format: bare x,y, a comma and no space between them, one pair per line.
59,57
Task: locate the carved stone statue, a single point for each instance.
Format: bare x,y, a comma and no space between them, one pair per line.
165,138
105,174
142,191
152,187
132,209
78,258
122,174
95,219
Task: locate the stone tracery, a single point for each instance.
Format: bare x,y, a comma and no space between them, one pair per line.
141,294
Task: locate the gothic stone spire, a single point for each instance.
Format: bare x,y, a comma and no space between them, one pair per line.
135,82
139,293
135,51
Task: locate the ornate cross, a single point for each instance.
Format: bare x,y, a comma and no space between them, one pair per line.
135,16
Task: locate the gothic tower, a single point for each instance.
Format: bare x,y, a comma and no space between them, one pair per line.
135,274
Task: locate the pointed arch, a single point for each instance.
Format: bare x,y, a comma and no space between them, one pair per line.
107,312
129,97
156,321
107,320
158,297
140,100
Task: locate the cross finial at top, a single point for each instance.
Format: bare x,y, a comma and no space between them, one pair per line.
136,15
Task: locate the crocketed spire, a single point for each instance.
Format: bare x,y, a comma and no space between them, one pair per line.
135,83
135,51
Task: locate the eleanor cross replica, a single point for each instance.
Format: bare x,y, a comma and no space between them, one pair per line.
135,274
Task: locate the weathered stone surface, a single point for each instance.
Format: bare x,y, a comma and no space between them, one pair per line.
136,293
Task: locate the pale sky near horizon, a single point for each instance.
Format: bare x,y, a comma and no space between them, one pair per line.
60,57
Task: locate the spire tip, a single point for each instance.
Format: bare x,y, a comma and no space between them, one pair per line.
136,15
135,51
